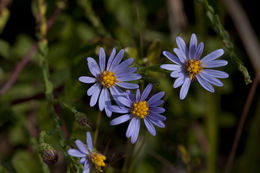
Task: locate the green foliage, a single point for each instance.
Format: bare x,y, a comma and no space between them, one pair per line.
23,162
47,97
215,21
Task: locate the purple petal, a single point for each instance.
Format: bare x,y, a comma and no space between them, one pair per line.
136,131
111,58
89,142
117,59
86,167
76,153
102,99
107,103
157,117
132,77
108,112
102,59
130,95
181,44
156,97
211,79
118,109
171,57
93,67
126,102
130,128
94,97
158,123
82,160
93,88
216,63
180,55
125,71
199,51
121,119
81,147
193,46
213,55
185,87
137,95
86,79
216,73
157,110
156,104
171,67
122,66
176,74
149,126
205,84
116,92
146,92
127,85
178,82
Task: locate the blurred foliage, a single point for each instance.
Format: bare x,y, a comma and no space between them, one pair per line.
47,95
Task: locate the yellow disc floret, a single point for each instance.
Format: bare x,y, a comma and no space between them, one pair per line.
108,79
98,160
140,109
193,67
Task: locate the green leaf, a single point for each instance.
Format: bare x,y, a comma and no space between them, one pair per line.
154,52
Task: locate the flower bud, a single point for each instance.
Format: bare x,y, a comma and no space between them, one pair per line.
50,156
82,119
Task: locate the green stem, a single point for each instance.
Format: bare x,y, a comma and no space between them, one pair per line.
215,21
211,124
129,151
140,31
91,16
97,128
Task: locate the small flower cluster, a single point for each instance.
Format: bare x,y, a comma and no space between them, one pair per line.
88,155
113,76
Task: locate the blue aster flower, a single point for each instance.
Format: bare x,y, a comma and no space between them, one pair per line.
137,108
109,77
87,154
188,66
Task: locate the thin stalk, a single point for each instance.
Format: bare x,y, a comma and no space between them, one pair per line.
129,151
211,123
140,31
19,66
97,128
242,122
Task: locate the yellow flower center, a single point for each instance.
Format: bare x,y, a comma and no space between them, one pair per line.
98,160
140,109
108,79
193,67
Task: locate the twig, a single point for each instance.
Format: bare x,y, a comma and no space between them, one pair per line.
27,57
35,97
59,113
19,68
242,122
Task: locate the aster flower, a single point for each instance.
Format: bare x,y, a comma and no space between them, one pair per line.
137,108
109,77
88,155
188,66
